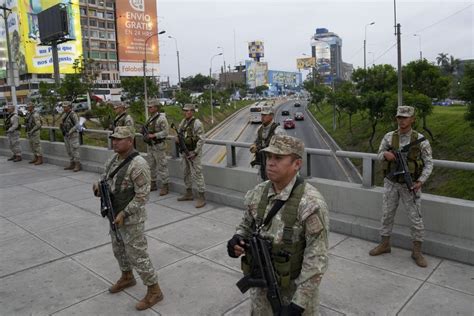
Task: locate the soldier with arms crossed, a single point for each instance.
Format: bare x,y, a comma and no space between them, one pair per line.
420,165
130,186
122,118
69,127
33,130
299,230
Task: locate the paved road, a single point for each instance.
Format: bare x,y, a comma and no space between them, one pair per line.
238,129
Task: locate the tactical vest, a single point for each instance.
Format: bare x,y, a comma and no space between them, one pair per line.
287,257
120,198
414,161
190,140
152,127
30,121
265,142
8,122
68,121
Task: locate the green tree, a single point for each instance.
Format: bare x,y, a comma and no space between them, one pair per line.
197,83
442,60
346,99
317,92
259,90
183,96
72,87
467,91
134,88
421,77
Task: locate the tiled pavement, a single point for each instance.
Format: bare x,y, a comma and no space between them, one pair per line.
56,258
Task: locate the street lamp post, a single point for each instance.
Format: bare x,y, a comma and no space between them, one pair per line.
6,13
223,59
365,44
177,57
210,86
419,44
144,73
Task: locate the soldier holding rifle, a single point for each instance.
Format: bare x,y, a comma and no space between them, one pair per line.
401,150
127,182
292,218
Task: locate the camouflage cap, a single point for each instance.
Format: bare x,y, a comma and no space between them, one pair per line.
285,145
122,132
267,110
188,107
405,111
66,103
154,102
10,105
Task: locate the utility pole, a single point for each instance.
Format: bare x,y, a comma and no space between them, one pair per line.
6,13
399,53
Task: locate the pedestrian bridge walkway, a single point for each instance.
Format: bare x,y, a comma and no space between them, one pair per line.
56,259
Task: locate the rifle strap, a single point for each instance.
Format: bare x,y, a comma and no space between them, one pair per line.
125,162
278,203
119,117
154,118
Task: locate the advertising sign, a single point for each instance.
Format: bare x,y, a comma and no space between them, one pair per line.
256,50
24,37
305,63
282,78
137,25
256,73
323,58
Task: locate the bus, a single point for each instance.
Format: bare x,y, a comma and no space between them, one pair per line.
255,113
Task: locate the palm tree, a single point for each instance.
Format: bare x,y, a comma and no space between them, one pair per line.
442,59
454,64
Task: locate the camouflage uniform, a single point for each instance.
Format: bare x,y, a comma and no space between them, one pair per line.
193,168
157,152
12,125
393,191
33,129
123,119
131,250
311,228
69,124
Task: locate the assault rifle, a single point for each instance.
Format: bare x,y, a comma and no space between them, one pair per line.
146,139
402,165
260,161
262,272
181,144
106,208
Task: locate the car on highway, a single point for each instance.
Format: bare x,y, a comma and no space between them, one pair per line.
297,104
299,116
285,113
288,123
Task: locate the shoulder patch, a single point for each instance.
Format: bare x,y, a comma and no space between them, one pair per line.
313,224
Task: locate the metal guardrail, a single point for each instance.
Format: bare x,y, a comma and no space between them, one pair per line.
368,159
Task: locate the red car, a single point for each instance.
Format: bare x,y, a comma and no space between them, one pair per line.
299,116
288,123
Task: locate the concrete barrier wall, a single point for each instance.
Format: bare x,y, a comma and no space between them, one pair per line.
354,210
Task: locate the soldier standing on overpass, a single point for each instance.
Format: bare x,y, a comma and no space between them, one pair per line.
69,128
122,118
12,127
420,165
33,129
264,134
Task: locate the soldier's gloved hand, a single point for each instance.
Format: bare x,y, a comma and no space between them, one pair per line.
119,218
291,310
235,246
253,148
95,189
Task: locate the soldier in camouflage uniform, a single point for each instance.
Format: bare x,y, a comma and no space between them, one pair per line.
130,188
264,134
158,129
69,127
194,139
420,165
122,118
300,228
33,129
12,126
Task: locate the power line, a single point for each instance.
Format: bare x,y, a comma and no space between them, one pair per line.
386,51
355,54
443,19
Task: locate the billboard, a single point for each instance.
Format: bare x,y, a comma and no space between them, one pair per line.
256,73
24,37
305,63
256,50
284,78
137,25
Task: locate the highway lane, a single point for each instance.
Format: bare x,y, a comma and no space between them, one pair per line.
239,129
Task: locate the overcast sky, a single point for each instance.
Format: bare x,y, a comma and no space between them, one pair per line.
287,26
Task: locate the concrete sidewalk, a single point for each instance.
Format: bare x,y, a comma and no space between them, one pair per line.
56,258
